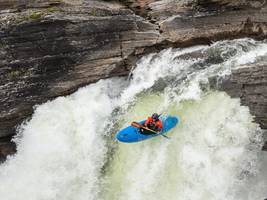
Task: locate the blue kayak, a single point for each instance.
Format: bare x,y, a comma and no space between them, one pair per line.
133,134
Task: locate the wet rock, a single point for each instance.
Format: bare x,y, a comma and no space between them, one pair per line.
18,4
6,148
163,9
249,83
54,52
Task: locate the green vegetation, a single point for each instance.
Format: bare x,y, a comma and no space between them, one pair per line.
18,74
36,15
94,12
13,74
53,9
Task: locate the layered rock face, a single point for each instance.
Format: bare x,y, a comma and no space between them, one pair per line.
51,48
53,52
15,4
249,83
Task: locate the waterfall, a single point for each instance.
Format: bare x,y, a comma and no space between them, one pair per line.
68,150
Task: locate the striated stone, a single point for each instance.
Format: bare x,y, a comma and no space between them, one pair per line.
249,83
11,4
246,84
59,52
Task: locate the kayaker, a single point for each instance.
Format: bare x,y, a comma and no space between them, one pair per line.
154,123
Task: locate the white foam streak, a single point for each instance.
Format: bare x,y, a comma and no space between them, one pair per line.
62,150
156,66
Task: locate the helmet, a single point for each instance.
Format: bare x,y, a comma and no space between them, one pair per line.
155,116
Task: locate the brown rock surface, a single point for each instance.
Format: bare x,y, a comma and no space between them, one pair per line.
6,148
45,54
15,4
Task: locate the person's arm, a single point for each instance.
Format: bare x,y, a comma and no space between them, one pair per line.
147,121
160,126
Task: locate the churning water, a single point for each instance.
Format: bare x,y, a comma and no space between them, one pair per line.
67,151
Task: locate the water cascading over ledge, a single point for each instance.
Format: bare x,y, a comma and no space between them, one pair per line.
51,48
68,151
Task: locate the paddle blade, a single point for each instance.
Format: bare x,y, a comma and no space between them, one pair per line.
165,136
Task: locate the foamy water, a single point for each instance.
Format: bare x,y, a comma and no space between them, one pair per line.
68,151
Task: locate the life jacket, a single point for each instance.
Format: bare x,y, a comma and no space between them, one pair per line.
157,124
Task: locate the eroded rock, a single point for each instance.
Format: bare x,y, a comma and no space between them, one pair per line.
63,50
249,83
6,148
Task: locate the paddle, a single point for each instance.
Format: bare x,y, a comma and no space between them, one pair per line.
137,125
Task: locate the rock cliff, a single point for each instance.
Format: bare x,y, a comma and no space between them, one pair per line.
249,83
51,48
50,52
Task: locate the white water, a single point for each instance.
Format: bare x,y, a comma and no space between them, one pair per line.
67,150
